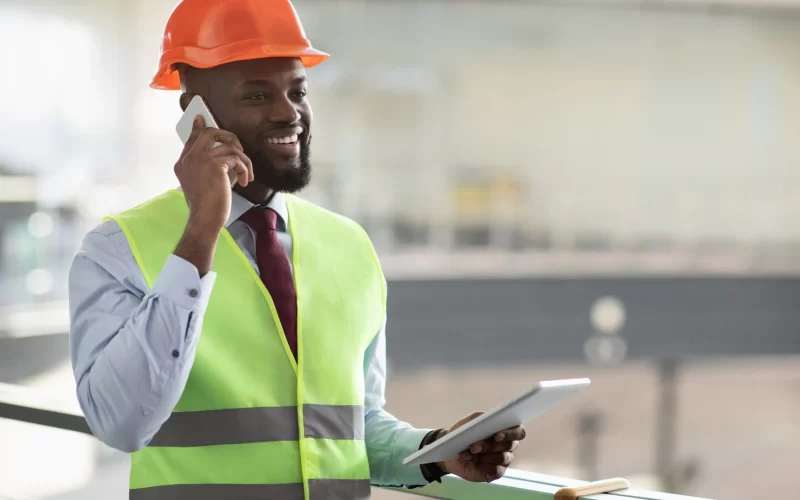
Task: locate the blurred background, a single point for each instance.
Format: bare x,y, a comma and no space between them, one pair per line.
556,189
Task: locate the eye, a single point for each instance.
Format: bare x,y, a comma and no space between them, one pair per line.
257,97
300,95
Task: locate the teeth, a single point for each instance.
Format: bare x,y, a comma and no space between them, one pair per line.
282,140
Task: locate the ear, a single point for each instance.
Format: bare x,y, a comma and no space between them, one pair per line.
186,98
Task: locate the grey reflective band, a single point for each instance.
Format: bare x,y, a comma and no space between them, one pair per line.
333,422
339,489
240,426
319,489
258,425
220,492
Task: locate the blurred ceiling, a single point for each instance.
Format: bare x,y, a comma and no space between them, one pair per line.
667,4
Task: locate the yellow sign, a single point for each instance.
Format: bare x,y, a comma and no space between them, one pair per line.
477,196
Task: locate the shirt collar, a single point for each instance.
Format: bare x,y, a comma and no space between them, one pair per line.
239,205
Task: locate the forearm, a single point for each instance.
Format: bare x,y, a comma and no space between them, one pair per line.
198,244
389,442
135,382
132,356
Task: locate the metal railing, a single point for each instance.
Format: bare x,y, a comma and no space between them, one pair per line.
28,405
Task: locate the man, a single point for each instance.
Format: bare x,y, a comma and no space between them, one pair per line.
233,340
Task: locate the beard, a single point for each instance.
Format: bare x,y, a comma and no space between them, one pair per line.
286,177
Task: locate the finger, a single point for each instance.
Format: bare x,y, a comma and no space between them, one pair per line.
492,472
472,416
481,447
227,150
503,458
206,138
229,138
513,434
236,165
484,447
497,450
224,151
503,446
198,125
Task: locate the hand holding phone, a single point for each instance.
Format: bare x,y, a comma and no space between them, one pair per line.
196,107
209,157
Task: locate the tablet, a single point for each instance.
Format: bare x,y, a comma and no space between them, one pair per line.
516,411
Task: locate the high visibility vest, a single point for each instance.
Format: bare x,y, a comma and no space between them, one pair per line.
252,422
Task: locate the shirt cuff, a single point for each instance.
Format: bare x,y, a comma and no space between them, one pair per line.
406,444
180,283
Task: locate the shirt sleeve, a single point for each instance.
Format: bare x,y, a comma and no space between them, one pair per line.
132,348
389,441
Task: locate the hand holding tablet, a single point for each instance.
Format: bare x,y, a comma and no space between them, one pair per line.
512,413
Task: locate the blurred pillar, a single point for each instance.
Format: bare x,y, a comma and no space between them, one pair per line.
588,435
431,20
435,170
150,115
349,150
666,423
127,90
350,133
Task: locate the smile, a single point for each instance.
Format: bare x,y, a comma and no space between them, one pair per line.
289,139
287,146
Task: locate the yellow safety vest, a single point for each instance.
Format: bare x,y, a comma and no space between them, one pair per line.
252,423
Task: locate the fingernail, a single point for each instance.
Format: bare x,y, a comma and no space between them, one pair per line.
197,119
477,448
500,437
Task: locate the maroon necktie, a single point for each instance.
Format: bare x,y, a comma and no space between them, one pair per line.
273,266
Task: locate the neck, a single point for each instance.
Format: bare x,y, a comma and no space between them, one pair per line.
255,193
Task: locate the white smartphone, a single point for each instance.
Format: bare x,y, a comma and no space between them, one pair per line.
196,107
516,411
184,127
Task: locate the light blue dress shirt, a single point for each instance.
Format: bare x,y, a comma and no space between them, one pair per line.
123,335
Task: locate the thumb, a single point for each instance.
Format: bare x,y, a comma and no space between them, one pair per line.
469,418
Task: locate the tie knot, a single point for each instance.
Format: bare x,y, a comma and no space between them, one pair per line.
261,219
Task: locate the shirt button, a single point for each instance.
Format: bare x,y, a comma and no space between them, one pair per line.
175,353
193,293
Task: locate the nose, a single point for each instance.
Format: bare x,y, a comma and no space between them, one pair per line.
283,110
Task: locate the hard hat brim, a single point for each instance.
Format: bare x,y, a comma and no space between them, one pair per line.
167,77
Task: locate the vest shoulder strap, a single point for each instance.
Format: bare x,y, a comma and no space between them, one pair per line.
354,244
163,219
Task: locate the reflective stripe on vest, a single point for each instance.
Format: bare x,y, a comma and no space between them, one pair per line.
320,489
255,425
234,432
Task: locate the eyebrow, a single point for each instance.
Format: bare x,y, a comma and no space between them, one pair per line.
267,83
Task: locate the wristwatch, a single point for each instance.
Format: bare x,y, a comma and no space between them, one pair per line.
431,472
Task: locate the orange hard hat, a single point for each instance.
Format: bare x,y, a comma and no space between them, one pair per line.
207,33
